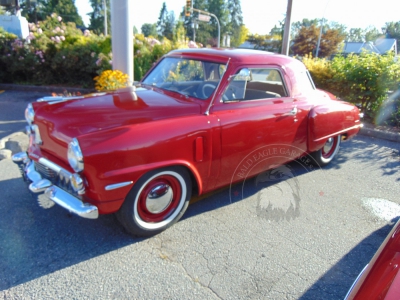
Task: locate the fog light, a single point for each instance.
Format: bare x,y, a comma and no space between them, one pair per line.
77,184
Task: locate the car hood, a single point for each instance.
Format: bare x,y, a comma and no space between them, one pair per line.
60,121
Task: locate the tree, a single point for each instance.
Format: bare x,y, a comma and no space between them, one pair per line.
392,30
296,26
97,16
203,29
356,35
219,9
243,33
306,41
64,8
235,22
166,23
372,34
149,29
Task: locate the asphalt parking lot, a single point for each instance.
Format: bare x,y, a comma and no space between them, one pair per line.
306,236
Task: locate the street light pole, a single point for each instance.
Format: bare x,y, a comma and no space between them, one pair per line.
214,16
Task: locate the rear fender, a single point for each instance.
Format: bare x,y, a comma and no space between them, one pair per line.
331,119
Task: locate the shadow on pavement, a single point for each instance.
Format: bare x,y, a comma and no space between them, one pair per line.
329,285
35,242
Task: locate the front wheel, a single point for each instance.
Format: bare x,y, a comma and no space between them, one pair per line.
156,201
325,155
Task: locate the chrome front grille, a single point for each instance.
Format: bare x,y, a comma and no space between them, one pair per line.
46,172
62,178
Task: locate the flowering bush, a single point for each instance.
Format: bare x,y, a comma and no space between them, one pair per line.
111,80
53,53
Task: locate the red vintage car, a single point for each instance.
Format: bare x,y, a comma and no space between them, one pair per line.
142,152
380,279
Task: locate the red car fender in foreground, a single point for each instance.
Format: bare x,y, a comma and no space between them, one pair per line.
380,279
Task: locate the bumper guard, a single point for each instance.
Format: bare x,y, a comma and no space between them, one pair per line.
53,192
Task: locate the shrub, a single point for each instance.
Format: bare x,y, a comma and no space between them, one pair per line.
111,80
364,79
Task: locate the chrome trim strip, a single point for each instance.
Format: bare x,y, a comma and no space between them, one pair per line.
207,112
71,203
355,282
117,185
53,166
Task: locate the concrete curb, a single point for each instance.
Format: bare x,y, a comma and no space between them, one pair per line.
380,134
17,142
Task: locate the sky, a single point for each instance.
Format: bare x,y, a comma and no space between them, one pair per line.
261,16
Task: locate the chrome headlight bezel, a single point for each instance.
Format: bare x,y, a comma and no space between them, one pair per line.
29,114
75,156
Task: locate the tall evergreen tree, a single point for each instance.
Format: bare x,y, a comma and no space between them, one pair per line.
235,21
149,29
166,23
97,16
219,9
64,8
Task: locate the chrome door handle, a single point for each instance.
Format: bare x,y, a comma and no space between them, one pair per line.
293,112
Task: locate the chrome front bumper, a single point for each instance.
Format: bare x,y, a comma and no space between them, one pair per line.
38,184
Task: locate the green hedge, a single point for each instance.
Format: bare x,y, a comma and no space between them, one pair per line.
366,79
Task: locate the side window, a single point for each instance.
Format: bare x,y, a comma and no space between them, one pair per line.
261,83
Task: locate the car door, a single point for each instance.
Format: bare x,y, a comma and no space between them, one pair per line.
261,125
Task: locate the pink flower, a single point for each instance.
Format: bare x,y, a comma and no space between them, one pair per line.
40,31
30,36
192,45
86,33
62,38
59,19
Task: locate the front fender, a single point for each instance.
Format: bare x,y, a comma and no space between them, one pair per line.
126,153
331,119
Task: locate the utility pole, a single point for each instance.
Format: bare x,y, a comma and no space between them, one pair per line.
105,18
286,33
122,36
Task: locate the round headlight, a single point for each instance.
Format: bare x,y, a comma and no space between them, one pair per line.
29,114
75,156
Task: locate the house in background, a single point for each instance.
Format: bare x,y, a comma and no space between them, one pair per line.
380,46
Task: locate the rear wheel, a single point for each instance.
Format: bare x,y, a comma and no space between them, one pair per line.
325,155
157,201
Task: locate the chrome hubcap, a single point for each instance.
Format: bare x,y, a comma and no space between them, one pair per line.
328,145
159,198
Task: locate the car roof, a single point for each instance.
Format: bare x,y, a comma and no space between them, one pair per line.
245,56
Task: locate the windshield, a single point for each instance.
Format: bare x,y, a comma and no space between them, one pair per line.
190,77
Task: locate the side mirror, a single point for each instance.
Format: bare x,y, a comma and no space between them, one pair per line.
244,74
